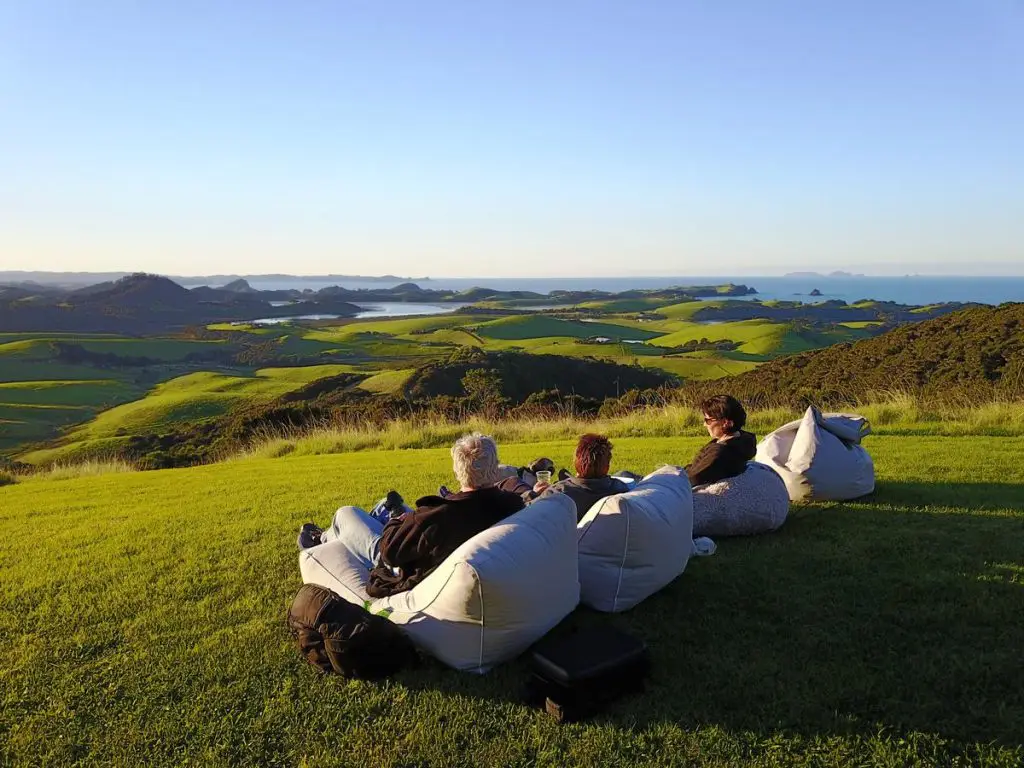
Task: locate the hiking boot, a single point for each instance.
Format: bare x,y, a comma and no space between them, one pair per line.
309,535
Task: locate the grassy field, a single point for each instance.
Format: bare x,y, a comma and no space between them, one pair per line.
142,623
41,394
186,399
542,326
895,417
174,389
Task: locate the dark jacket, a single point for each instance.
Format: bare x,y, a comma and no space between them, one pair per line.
585,492
719,460
419,541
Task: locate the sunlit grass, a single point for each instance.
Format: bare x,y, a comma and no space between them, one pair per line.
898,415
142,623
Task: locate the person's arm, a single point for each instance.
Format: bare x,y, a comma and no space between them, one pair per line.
402,541
704,468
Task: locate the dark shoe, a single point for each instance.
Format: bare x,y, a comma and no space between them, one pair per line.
394,502
309,535
541,465
563,474
444,492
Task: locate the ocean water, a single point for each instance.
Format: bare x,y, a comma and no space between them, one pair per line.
371,310
903,290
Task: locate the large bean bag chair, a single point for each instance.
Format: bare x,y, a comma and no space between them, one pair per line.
633,544
819,457
753,502
496,595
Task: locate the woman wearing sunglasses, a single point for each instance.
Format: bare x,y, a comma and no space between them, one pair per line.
730,448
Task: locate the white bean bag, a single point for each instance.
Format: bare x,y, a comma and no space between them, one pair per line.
754,502
819,457
496,595
507,470
633,544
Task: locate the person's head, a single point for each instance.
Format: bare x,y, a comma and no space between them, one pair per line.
593,456
723,415
475,461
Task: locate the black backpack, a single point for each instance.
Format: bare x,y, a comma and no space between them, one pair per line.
336,636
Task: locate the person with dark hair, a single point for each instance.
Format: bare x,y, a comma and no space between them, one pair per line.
730,448
592,460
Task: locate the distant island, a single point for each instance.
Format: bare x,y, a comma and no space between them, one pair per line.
837,273
71,279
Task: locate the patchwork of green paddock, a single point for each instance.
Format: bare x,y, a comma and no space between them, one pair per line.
165,350
386,382
396,326
754,336
522,327
72,393
187,399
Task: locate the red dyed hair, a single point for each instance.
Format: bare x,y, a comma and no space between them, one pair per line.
593,456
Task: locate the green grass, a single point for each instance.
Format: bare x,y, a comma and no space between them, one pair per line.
36,410
880,632
385,382
522,327
188,398
687,309
395,327
861,324
895,415
164,350
759,337
624,305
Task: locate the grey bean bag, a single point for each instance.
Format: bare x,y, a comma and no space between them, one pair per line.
754,502
820,458
493,597
633,544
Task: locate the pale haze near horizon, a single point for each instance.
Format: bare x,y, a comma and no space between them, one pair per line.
467,139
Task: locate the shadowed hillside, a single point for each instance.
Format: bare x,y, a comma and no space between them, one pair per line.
969,356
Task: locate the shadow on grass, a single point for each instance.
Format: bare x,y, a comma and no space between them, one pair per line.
850,619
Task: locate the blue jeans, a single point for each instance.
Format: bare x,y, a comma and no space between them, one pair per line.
359,532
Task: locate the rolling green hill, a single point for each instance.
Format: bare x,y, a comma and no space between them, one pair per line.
141,623
970,356
185,400
128,369
541,326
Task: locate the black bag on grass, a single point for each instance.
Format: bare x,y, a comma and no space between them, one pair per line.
575,676
336,636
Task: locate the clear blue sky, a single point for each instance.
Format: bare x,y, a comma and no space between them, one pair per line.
488,139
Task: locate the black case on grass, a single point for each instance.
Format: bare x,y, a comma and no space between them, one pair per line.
577,675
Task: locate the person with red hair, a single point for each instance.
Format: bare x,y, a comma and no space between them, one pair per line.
592,460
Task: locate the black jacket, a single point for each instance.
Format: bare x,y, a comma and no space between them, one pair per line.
419,541
719,460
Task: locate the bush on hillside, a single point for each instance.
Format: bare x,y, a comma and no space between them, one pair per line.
523,374
973,356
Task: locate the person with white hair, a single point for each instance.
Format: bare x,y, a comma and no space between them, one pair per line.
403,552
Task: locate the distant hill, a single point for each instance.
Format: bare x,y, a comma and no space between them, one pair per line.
140,304
238,286
970,356
134,291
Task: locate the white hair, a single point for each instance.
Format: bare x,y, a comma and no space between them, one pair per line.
475,461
